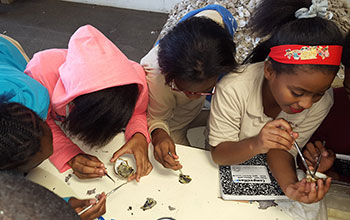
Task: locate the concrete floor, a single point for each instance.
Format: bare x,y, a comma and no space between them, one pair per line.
43,24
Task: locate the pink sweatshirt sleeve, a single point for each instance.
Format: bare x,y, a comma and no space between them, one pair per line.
138,121
63,148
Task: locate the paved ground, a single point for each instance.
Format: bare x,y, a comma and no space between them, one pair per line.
42,24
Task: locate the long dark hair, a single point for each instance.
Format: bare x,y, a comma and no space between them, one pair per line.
346,51
98,116
197,49
20,134
275,21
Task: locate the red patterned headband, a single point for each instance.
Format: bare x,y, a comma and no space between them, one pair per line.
303,54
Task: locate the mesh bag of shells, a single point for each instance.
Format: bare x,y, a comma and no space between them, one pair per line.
241,11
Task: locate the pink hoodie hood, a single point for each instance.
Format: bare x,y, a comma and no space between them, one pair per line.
85,70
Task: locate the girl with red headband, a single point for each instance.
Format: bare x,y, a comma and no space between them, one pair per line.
282,94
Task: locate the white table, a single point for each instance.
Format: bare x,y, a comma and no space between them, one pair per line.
199,199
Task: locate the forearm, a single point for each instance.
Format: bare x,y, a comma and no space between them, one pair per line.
230,152
158,135
282,166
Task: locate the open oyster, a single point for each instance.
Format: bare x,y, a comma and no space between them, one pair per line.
150,202
122,168
184,179
318,175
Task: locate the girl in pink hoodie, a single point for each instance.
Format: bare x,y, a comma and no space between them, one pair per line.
96,92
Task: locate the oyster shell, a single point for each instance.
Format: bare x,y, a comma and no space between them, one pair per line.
150,203
184,179
317,175
122,168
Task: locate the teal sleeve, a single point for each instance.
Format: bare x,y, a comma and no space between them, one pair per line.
16,86
66,199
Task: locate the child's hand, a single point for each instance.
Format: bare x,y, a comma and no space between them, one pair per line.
164,150
86,166
276,134
137,146
98,209
305,192
311,153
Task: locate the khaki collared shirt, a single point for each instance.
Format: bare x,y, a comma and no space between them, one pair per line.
237,111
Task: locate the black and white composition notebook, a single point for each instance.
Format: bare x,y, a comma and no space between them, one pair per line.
251,180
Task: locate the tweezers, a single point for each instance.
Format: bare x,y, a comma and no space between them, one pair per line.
317,163
108,194
110,177
303,159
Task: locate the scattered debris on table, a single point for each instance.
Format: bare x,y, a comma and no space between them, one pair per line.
122,168
97,196
53,189
130,208
104,151
171,208
67,178
184,179
91,191
264,204
150,203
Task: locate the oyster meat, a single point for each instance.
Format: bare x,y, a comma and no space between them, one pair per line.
122,168
150,203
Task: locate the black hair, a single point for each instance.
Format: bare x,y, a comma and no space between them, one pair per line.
195,50
346,51
275,21
98,116
20,134
23,199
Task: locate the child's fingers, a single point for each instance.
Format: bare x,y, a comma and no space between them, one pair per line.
90,161
139,167
281,123
158,155
328,184
306,152
86,176
312,194
309,159
321,189
301,187
80,203
117,154
97,210
172,150
320,147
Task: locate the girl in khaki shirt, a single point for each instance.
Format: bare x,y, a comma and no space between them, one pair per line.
181,70
273,103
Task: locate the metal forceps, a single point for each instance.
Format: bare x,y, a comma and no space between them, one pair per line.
302,158
108,194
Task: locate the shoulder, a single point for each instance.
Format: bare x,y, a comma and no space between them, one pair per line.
246,79
48,60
